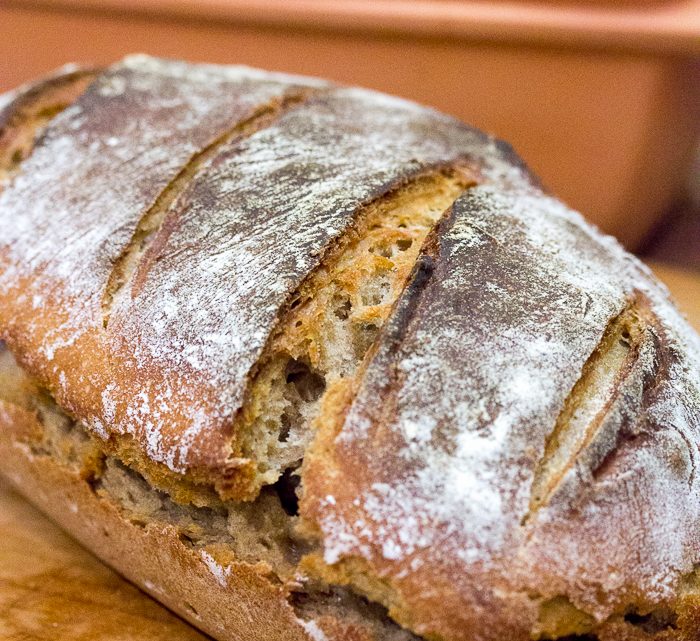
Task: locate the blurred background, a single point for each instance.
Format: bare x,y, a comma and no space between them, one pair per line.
601,97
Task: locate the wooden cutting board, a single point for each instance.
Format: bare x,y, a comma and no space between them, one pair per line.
51,589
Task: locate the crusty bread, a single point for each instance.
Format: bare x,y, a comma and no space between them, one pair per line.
308,362
25,113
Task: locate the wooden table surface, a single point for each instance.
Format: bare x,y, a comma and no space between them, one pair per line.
51,589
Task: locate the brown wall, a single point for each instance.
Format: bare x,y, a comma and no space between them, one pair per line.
610,132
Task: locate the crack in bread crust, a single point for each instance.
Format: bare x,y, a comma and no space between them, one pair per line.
419,498
152,231
367,267
585,410
223,536
171,369
26,116
354,571
334,318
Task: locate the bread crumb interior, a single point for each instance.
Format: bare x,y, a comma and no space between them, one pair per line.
334,319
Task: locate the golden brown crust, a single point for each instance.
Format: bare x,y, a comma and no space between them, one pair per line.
154,559
420,484
168,363
505,425
126,119
248,548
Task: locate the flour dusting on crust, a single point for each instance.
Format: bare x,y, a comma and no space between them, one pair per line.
222,573
234,246
249,230
427,483
431,471
76,204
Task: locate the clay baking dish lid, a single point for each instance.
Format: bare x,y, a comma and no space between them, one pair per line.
667,26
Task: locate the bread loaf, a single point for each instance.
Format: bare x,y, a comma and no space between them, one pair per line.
311,362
